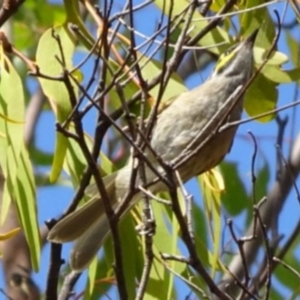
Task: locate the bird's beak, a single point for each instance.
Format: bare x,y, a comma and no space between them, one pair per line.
251,38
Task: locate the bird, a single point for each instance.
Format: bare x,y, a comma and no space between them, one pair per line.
177,127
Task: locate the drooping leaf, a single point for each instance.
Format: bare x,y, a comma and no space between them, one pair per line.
278,75
212,202
235,197
261,97
131,252
75,162
91,280
56,90
286,276
165,241
98,283
27,209
293,47
276,58
13,107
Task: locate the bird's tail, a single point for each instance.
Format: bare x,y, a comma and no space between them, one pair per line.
87,245
88,225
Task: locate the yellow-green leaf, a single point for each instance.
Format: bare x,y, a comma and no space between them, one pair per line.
175,84
12,107
75,162
56,91
26,204
276,58
92,272
163,243
261,97
74,17
257,18
293,47
212,201
277,75
215,36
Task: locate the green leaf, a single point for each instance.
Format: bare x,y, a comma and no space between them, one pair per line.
277,75
194,282
200,225
98,284
163,243
56,90
40,157
74,17
92,273
275,294
75,162
212,203
128,92
293,47
150,67
261,97
276,58
61,145
131,253
285,276
175,85
26,204
31,21
235,197
12,98
12,106
215,36
257,18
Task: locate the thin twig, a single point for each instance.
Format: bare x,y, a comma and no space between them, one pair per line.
194,259
268,251
281,123
290,172
187,282
68,285
241,285
240,244
151,195
188,201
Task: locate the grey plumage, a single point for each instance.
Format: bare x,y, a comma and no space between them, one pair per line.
176,126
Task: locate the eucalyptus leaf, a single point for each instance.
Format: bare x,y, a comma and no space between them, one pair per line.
293,47
276,59
11,144
261,97
235,198
56,90
277,75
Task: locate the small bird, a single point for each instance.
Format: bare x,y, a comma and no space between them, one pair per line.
176,127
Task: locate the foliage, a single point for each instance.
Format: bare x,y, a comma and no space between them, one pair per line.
101,69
